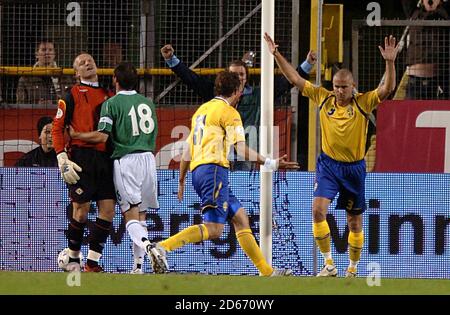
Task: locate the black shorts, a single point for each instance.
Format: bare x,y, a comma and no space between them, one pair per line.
96,178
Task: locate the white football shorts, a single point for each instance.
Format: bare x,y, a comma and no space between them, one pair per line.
136,181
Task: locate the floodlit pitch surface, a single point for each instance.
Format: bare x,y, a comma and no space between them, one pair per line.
184,284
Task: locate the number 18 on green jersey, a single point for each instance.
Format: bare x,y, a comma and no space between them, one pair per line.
130,120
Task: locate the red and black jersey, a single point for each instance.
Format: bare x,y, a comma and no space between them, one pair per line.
80,109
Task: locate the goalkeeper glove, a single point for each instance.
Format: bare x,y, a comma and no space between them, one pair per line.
68,169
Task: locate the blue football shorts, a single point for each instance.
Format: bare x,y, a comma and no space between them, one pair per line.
210,181
347,179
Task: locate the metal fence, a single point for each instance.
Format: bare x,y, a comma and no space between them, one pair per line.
422,66
108,29
134,30
193,27
423,62
113,31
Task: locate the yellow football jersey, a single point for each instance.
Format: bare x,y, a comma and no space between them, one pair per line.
343,128
215,127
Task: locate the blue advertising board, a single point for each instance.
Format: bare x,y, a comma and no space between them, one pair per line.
407,225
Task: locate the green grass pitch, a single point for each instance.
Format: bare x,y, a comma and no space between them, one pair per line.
26,283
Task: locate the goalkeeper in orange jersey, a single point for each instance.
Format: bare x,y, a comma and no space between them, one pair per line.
341,167
216,126
86,167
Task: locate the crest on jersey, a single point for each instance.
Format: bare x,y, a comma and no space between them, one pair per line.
350,111
59,113
331,111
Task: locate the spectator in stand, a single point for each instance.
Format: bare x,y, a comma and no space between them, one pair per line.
44,155
43,90
112,56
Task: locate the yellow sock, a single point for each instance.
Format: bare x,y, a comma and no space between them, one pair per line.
248,244
321,232
355,245
192,234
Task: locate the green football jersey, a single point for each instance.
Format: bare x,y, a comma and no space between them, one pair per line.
130,120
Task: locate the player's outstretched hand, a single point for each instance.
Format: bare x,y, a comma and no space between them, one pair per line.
284,163
270,43
390,50
167,51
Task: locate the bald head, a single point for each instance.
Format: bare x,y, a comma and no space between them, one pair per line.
85,67
344,74
80,57
343,85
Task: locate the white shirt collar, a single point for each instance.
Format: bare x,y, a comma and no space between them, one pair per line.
94,84
123,92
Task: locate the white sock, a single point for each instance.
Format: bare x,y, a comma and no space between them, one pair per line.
74,253
94,256
327,256
353,264
139,252
137,232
